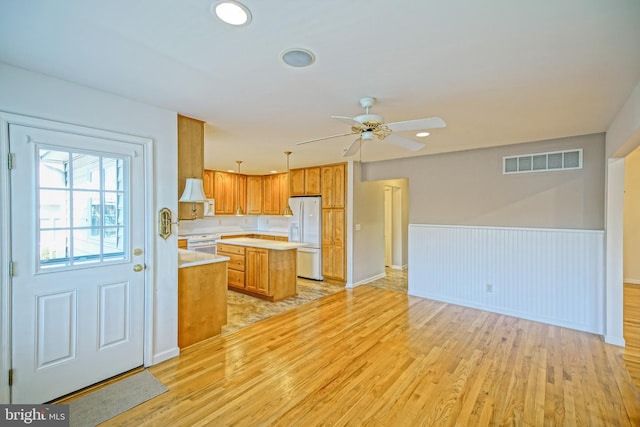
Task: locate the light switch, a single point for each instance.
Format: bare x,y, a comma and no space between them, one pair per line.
357,227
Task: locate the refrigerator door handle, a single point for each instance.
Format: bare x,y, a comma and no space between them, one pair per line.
302,219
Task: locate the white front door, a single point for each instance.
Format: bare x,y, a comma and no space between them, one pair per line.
77,233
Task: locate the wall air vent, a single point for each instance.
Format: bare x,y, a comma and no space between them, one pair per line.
543,162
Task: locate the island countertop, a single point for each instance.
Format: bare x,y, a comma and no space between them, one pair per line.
262,243
188,258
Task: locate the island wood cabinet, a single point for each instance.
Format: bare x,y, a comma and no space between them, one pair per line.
236,264
202,302
305,182
190,160
257,270
265,273
333,223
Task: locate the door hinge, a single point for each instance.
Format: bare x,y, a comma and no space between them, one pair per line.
10,161
10,269
10,377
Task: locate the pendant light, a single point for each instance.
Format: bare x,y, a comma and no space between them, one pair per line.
239,211
287,209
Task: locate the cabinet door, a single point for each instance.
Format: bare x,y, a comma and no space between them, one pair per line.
254,195
333,186
339,271
207,183
240,195
297,187
271,194
283,192
257,270
333,248
312,181
190,160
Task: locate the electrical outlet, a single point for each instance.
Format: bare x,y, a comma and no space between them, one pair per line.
489,287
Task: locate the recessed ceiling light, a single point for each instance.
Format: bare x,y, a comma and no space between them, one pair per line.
298,57
422,134
231,12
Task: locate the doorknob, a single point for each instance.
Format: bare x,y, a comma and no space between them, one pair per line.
138,268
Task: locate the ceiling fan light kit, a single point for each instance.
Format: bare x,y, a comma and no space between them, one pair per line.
370,126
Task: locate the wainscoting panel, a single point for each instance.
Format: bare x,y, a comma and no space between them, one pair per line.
548,275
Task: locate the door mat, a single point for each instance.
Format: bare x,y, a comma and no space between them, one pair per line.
114,399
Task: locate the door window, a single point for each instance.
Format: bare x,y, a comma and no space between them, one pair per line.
81,209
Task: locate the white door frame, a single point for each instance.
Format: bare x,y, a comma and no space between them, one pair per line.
146,145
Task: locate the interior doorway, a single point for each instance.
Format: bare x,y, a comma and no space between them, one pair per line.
393,227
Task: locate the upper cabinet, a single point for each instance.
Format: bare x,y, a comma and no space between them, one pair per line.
333,186
305,182
207,183
275,194
190,160
254,195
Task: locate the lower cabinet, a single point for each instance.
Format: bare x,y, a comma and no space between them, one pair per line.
202,302
261,272
236,273
257,270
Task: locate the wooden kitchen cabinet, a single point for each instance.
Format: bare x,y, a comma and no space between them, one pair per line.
254,195
190,160
305,182
275,194
182,243
202,302
333,186
333,223
333,248
223,188
257,270
283,182
207,183
236,264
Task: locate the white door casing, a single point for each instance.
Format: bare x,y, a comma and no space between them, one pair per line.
77,317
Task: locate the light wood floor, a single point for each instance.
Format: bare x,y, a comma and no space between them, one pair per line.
372,356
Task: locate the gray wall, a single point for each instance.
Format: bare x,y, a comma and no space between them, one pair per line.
368,242
468,187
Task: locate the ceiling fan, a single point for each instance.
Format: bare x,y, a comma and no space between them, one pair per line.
372,126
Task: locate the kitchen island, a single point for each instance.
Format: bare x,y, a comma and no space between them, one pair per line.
202,296
261,268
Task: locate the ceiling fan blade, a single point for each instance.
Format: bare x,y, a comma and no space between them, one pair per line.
349,121
428,123
353,148
403,142
325,137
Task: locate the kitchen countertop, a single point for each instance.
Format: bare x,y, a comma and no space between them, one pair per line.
262,243
237,233
188,258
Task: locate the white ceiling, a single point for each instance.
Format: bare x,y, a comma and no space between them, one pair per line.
498,71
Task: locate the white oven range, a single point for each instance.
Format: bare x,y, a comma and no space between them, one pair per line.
203,243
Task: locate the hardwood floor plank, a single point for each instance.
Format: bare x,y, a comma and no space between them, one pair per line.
371,356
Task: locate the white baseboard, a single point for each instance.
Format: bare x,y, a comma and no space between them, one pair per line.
165,355
369,279
632,281
398,267
619,341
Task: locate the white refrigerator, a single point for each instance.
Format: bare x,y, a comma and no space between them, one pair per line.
305,226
